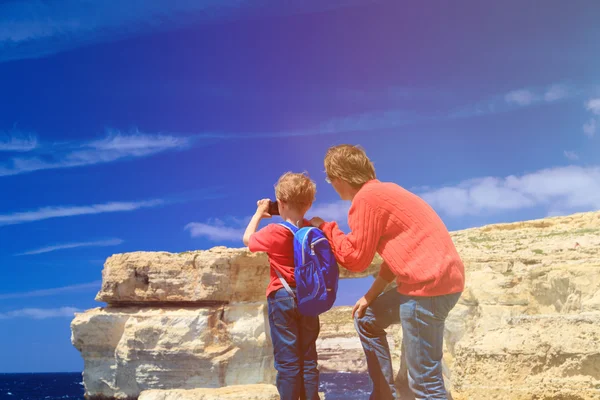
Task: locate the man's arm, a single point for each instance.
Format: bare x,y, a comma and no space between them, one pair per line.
361,305
385,273
355,251
384,278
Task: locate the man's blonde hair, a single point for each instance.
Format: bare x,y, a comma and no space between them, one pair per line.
349,163
296,190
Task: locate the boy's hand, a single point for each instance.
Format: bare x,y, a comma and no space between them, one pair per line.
262,208
316,221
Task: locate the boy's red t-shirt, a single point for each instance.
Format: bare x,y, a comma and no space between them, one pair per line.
278,242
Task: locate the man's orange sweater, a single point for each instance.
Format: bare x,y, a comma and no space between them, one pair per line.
414,243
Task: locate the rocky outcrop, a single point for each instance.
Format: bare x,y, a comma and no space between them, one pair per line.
532,357
526,327
246,392
338,345
179,321
532,328
340,350
220,275
128,350
236,392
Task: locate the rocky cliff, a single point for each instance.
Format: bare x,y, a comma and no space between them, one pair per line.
526,327
531,311
179,321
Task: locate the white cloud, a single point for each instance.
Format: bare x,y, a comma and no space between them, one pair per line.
48,249
70,211
521,97
556,92
53,291
41,313
17,141
590,127
516,99
571,155
232,229
568,189
378,120
593,105
215,230
360,122
137,144
35,28
549,94
336,211
115,146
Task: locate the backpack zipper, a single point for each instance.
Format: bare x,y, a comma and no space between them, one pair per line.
304,242
312,246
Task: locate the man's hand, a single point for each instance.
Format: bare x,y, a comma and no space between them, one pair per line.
360,307
316,221
262,208
378,286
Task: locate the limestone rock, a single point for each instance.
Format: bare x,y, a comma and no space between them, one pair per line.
340,350
128,350
200,277
527,325
532,357
246,392
237,392
339,347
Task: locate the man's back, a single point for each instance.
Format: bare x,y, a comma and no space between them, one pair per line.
415,242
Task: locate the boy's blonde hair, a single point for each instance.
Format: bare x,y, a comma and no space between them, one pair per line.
349,163
296,190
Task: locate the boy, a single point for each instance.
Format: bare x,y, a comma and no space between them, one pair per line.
293,335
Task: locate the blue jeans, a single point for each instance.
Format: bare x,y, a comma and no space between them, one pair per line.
294,339
422,320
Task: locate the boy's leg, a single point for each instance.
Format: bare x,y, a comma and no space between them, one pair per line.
309,332
423,333
285,337
381,313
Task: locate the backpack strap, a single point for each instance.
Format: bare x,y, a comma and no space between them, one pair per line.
285,284
287,287
289,226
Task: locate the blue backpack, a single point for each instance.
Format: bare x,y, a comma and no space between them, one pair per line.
316,271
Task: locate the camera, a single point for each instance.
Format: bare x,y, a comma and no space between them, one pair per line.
273,208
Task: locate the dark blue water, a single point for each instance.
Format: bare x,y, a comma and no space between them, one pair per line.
69,386
41,386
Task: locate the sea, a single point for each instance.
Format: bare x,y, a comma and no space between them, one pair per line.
337,386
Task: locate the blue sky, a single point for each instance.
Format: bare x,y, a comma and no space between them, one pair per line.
150,126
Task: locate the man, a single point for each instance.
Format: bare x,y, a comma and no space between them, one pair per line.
418,253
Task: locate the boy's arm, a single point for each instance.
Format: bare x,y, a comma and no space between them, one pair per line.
251,228
355,251
261,212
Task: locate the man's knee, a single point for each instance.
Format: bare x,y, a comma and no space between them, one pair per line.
364,324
